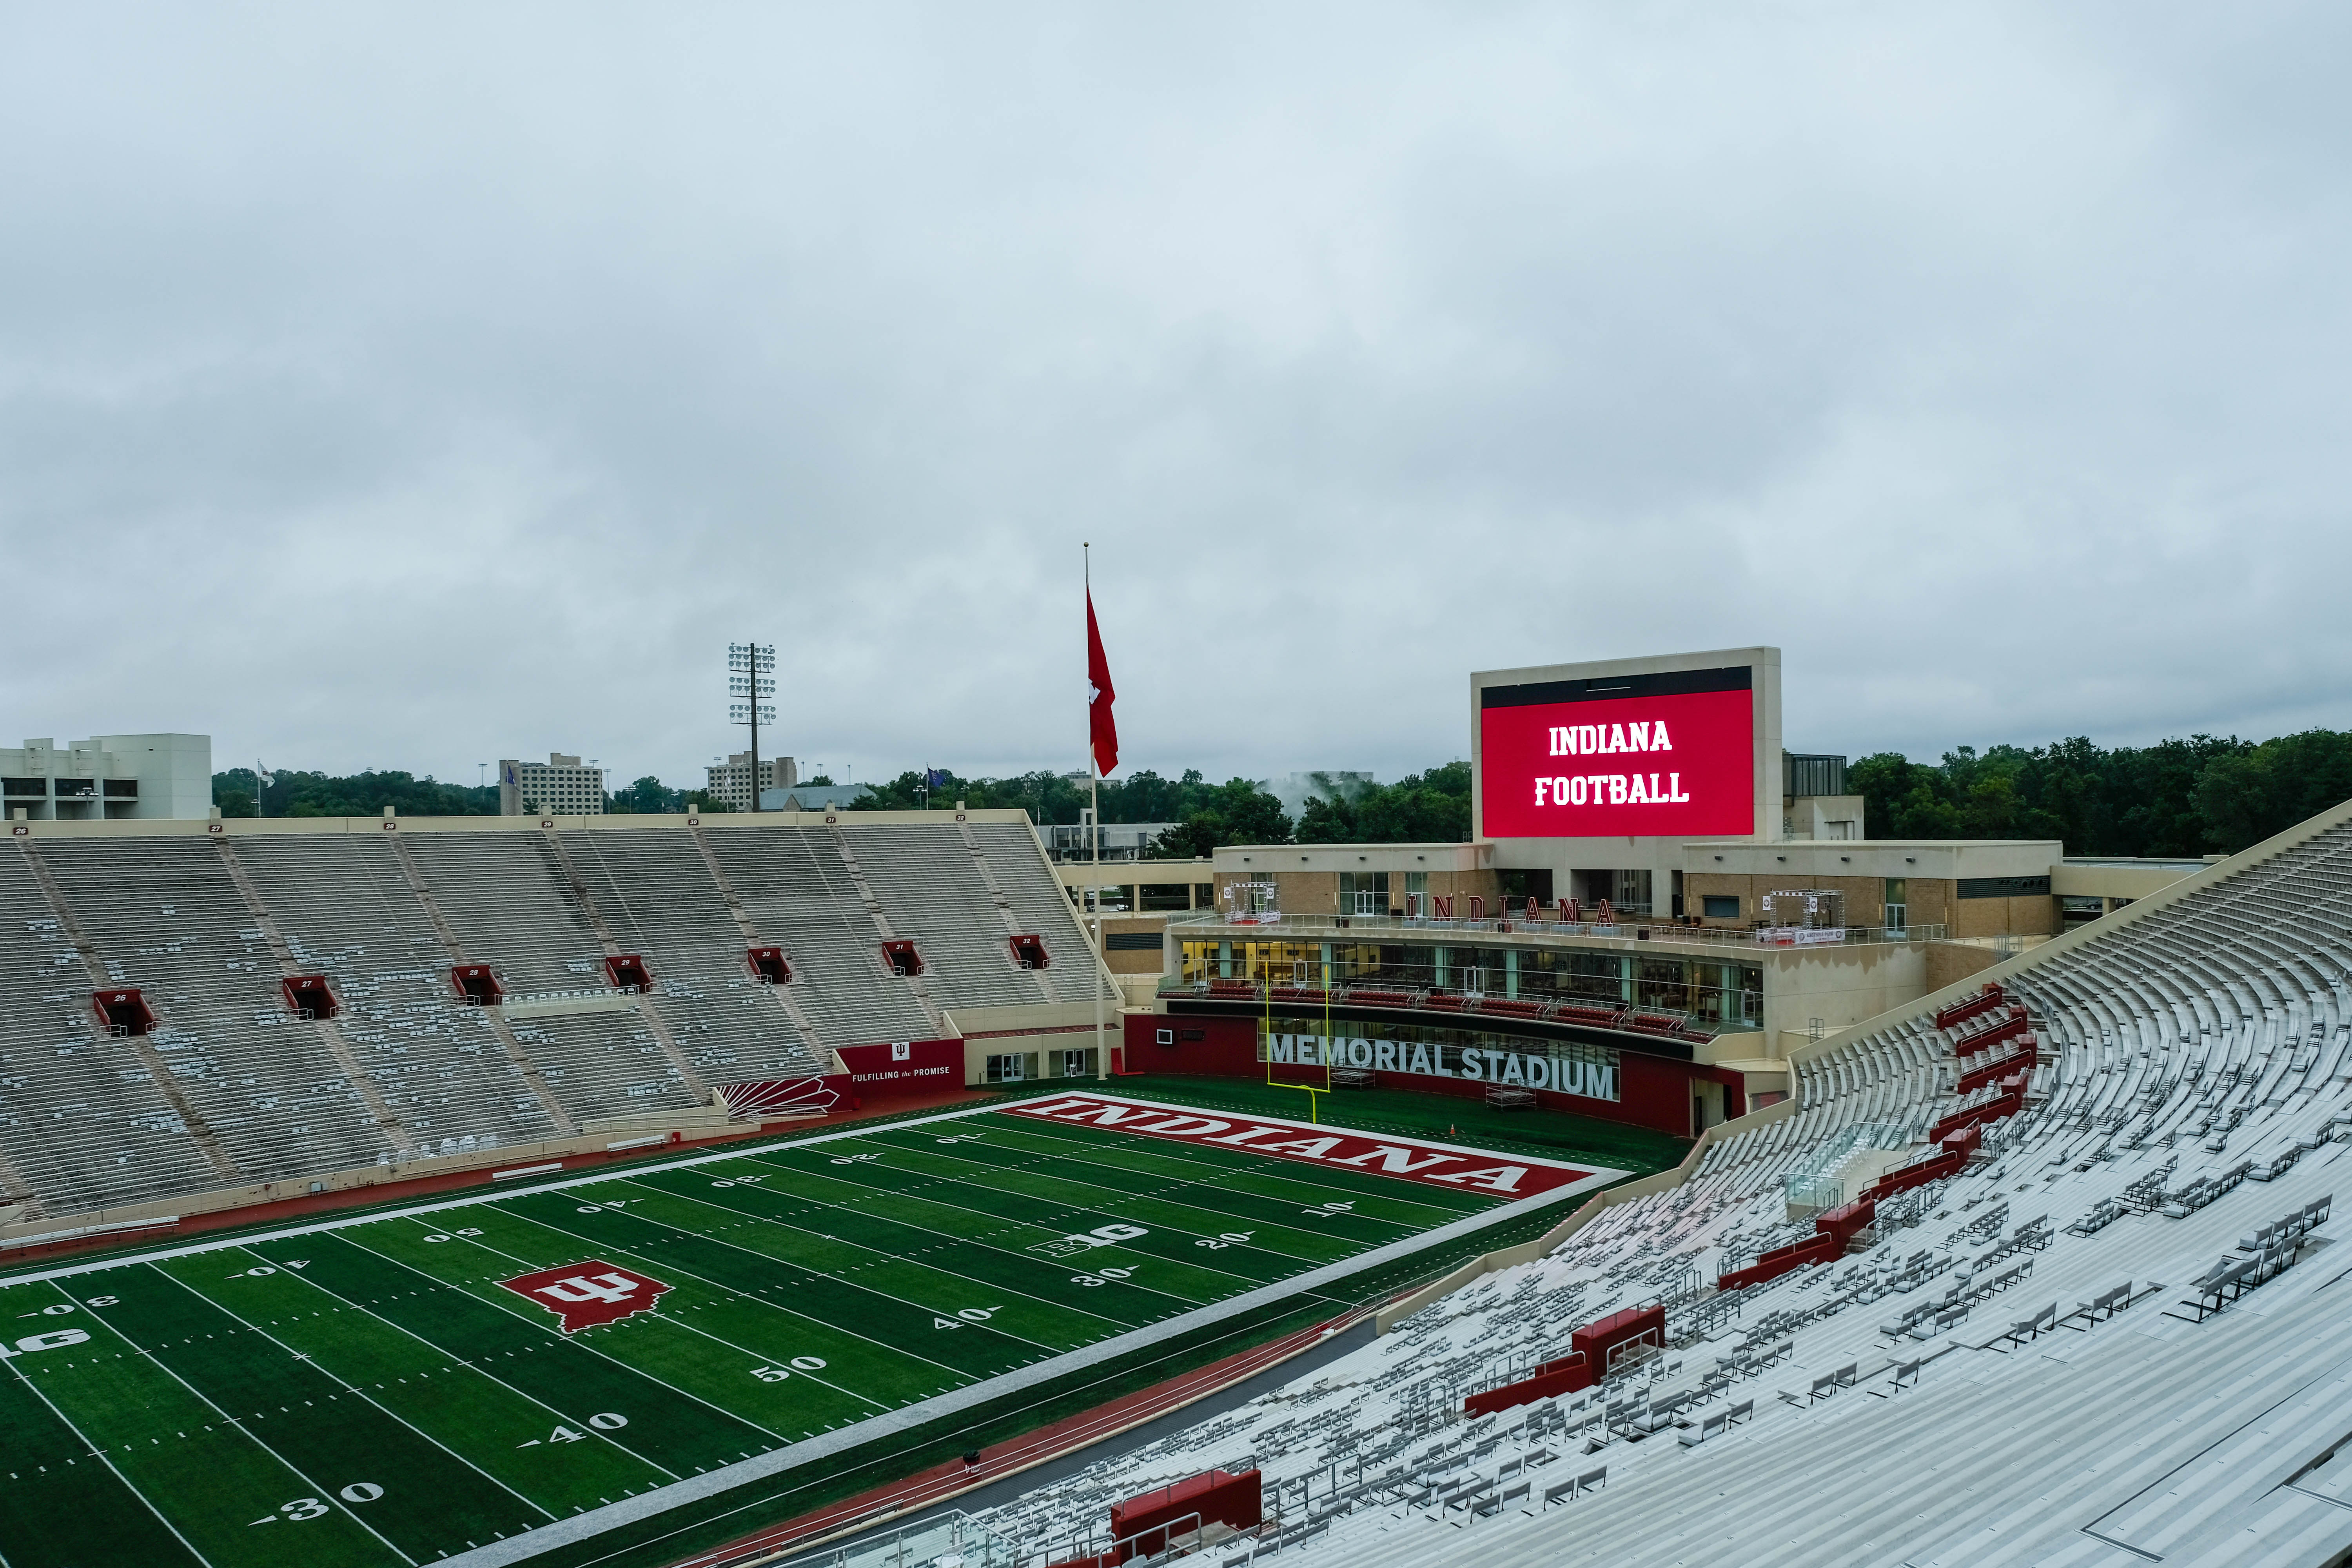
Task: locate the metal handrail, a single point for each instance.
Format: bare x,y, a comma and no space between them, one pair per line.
1670,1023
1621,930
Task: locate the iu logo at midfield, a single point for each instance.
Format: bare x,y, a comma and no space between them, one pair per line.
584,1295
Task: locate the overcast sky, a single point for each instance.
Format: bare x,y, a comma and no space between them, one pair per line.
411,387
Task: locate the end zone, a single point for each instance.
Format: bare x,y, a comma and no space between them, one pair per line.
1326,1143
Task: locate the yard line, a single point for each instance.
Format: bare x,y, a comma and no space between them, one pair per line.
1292,1172
1082,1181
348,1222
728,1289
592,1350
792,1174
788,1175
192,1388
348,1385
99,1454
1274,1170
751,1151
776,1262
964,1241
932,1179
502,1382
1400,1228
682,1324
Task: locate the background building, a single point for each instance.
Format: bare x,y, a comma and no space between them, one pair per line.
730,783
810,797
560,786
108,778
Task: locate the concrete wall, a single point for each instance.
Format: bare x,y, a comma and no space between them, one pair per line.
1124,960
2120,879
174,775
1840,986
174,772
1949,962
1931,870
1046,1028
1864,896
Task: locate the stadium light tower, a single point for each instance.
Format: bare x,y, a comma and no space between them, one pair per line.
752,676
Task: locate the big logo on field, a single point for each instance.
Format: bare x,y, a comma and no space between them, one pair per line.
585,1295
1410,1159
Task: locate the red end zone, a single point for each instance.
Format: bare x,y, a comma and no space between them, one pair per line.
1436,1164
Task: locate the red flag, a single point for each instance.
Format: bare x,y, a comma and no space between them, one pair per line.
1100,728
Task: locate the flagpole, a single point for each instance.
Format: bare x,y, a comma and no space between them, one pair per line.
1093,811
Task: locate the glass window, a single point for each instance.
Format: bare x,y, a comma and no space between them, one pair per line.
1720,906
1416,893
1664,984
1897,901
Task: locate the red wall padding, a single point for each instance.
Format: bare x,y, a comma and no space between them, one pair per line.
1237,1500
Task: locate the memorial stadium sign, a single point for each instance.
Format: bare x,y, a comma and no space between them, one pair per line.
1565,1068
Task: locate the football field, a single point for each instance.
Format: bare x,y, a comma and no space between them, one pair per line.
494,1377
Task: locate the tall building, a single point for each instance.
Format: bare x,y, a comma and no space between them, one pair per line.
108,778
730,782
560,786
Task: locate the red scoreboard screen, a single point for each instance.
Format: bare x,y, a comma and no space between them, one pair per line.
1638,755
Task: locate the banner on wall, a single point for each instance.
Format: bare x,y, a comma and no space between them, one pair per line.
903,1067
1561,1066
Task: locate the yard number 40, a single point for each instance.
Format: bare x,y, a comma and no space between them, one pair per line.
969,1315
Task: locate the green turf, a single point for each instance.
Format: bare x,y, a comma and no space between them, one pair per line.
364,1391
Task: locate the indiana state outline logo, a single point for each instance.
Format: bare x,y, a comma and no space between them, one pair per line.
588,1294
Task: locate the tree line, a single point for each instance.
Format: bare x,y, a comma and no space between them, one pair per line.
294,792
2175,798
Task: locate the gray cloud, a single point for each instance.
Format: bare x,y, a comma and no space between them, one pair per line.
412,387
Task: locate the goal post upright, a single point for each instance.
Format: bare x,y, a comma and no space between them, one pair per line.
1313,1092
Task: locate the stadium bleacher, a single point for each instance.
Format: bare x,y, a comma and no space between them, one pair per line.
2111,1331
232,1085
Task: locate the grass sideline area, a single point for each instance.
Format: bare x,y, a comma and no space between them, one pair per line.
382,1387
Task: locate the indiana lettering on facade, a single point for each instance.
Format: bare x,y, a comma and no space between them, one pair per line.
1562,1075
1593,740
1609,789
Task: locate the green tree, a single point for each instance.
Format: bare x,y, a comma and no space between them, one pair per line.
646,797
296,794
2247,797
1235,812
1431,807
